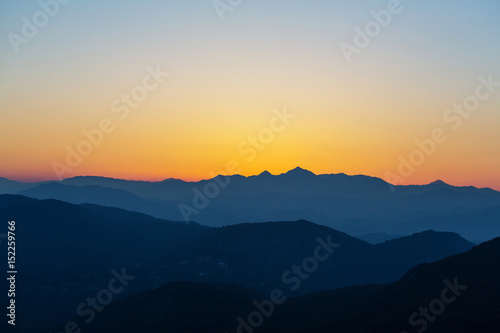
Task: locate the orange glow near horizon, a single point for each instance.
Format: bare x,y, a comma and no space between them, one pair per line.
452,179
225,80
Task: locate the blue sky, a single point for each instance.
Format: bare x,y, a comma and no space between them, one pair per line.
229,74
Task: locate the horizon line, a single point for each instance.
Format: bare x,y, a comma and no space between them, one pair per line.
187,180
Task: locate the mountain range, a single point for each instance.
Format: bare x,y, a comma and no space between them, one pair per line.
358,205
68,252
457,294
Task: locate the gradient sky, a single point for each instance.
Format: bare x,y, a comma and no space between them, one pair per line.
226,77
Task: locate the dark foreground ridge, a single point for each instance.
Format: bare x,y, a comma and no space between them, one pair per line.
457,294
71,252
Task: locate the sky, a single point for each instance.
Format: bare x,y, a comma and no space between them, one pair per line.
189,89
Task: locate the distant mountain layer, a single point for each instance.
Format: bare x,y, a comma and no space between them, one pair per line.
69,251
376,237
457,294
10,187
104,196
356,205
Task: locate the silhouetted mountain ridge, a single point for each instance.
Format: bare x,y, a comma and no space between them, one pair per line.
468,280
87,241
354,204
